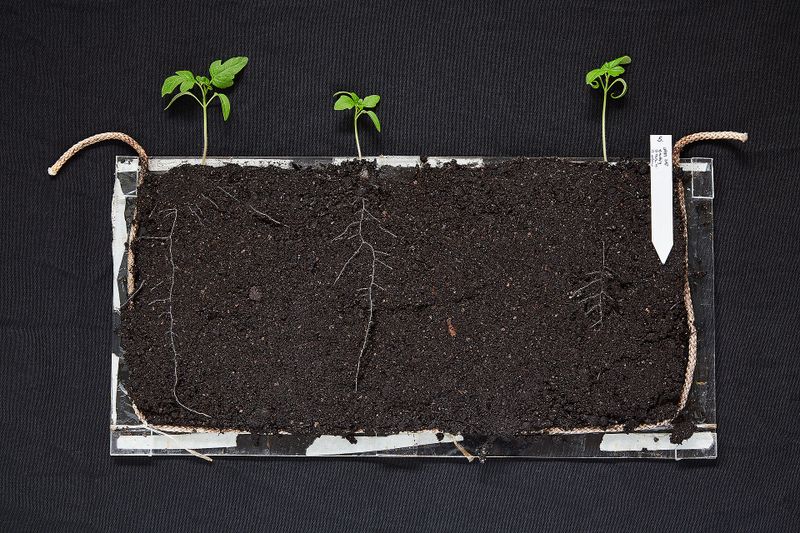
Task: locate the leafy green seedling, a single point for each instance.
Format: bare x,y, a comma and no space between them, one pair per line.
222,75
602,77
348,100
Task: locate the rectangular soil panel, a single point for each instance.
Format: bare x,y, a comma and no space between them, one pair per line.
502,299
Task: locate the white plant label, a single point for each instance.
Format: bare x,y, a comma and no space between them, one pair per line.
661,194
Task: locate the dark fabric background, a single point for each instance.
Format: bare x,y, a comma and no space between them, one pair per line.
493,78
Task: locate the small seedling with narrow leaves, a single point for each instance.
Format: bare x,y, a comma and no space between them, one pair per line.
222,74
349,100
606,77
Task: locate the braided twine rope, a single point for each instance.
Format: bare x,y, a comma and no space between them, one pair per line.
143,166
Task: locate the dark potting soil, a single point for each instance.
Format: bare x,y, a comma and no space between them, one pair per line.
681,430
515,297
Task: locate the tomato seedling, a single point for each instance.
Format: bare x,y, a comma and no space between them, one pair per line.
606,77
349,100
222,75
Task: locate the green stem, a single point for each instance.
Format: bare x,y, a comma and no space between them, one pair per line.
205,128
355,128
605,97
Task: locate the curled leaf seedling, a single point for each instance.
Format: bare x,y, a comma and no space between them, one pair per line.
350,100
606,77
222,74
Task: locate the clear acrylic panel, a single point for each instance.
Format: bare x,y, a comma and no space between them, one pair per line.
131,436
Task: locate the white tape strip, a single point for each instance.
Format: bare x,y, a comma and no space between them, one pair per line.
334,445
440,161
119,237
177,441
636,442
159,164
114,371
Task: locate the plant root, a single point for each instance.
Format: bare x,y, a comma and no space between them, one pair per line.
256,211
169,314
470,457
593,294
355,230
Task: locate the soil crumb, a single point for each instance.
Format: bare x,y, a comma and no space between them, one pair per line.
681,431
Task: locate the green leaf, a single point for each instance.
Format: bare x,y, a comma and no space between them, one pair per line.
624,60
202,80
187,85
352,95
371,100
592,75
221,84
226,105
214,68
615,71
345,101
228,69
182,93
186,75
375,120
613,68
170,84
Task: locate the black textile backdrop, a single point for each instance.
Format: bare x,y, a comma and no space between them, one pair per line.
493,78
